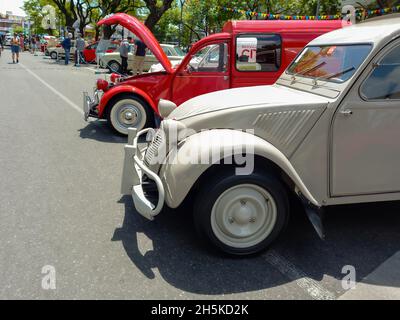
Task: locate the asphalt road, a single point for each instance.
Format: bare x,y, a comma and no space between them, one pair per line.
60,206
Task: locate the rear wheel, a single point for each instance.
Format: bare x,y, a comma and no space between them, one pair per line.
129,112
241,215
53,55
114,66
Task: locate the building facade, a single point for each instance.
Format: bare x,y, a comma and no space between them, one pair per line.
9,21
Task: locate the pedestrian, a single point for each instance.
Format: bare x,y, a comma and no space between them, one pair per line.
1,44
21,42
140,56
66,44
124,53
80,46
33,45
15,48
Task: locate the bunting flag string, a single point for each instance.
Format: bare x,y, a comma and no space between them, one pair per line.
359,13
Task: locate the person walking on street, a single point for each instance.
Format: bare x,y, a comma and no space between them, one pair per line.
124,53
80,46
140,56
66,44
1,44
33,45
15,48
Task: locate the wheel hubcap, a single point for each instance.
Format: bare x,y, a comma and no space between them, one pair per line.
129,116
243,216
114,67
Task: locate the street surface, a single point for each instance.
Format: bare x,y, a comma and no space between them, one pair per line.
60,206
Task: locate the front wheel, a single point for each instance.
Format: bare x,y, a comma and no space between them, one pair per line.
241,215
129,112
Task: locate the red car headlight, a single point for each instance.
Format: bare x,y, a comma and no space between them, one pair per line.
114,77
102,84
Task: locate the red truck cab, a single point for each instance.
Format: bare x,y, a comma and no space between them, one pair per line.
245,53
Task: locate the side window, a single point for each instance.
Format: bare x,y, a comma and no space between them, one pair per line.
213,58
384,81
260,52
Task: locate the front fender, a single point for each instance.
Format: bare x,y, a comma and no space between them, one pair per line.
120,89
179,177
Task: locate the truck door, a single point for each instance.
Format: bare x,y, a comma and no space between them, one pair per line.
207,71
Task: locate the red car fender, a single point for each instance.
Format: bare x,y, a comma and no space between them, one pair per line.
124,89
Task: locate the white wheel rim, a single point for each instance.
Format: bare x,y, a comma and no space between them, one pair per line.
243,216
128,114
114,67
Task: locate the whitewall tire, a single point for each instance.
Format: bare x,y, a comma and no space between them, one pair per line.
129,112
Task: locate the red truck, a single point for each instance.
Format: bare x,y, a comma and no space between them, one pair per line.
245,53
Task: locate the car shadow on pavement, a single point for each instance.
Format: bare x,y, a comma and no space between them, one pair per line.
99,130
363,236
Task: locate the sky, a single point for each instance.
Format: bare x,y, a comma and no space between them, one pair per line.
12,5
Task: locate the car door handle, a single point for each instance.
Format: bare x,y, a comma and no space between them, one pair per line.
346,112
226,78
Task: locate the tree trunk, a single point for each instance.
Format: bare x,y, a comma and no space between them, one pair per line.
108,31
152,20
97,35
156,12
82,29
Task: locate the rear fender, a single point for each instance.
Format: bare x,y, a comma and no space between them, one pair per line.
121,89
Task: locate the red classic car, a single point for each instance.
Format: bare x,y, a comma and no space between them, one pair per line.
90,51
245,53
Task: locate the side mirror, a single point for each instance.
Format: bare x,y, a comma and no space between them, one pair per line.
165,107
189,69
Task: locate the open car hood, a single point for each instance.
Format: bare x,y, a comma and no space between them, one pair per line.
141,31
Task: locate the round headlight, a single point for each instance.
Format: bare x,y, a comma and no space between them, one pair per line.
102,84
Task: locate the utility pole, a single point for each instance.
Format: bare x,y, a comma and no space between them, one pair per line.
318,6
182,3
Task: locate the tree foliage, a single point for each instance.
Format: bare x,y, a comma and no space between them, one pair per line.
182,21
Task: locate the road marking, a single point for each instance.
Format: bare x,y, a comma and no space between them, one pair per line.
310,286
56,92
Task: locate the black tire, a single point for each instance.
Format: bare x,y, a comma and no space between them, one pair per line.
148,112
53,55
111,68
213,188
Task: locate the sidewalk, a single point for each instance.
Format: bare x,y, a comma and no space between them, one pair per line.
382,284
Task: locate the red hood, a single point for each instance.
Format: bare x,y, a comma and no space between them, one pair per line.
141,31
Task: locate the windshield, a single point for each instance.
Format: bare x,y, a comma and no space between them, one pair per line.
335,63
179,51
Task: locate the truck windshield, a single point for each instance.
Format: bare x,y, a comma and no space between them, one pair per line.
335,63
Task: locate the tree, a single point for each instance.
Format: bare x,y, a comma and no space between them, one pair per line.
156,11
107,7
67,9
84,12
33,9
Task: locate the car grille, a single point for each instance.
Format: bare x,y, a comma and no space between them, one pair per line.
154,149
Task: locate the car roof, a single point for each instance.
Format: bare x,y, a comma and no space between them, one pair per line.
167,45
375,32
293,26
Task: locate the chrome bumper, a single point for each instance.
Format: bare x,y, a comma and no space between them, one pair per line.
132,178
89,105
